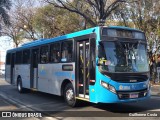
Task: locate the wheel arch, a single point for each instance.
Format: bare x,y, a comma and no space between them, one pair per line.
18,79
64,83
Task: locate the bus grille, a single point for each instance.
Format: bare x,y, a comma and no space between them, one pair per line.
130,79
132,94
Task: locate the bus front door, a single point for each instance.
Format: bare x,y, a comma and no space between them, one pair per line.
34,68
83,69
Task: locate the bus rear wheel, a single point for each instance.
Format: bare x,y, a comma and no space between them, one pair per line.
19,86
69,95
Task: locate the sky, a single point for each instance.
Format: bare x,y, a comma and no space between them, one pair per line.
5,44
5,41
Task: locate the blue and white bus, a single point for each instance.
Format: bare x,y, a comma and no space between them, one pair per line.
99,65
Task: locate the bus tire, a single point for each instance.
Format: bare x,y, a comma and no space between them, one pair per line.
69,95
19,86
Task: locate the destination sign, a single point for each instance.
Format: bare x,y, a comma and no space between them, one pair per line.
123,33
67,67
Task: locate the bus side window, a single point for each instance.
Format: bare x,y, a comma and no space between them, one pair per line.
55,52
67,51
44,54
19,57
26,56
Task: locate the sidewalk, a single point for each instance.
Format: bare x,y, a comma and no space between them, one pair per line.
155,89
5,105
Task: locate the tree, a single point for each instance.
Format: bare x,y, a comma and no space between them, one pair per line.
50,21
21,23
24,13
14,32
4,6
122,15
146,17
93,11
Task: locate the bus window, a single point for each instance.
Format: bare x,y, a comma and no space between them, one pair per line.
19,57
55,52
44,54
8,59
67,51
26,56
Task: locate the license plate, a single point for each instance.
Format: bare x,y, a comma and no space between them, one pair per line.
133,95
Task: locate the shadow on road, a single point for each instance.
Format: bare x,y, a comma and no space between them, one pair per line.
40,101
140,106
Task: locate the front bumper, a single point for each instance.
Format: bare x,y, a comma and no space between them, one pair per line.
106,96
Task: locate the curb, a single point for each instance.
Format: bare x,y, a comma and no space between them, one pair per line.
154,85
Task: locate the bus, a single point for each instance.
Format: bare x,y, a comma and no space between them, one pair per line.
104,64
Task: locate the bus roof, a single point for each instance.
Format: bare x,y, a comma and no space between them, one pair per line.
63,37
59,38
123,27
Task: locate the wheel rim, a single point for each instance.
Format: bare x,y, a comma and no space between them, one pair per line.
19,86
69,94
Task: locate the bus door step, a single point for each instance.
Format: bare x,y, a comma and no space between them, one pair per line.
84,96
82,99
34,89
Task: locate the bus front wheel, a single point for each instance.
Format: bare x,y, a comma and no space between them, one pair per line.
69,95
19,86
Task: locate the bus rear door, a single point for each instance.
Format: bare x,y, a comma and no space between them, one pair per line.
34,67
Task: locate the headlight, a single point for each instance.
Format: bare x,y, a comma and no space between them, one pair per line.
112,89
104,84
108,86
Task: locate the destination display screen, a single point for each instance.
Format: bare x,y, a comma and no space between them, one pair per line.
67,67
123,33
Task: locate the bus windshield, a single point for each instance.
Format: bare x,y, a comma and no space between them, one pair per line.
121,56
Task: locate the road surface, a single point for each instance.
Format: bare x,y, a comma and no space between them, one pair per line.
54,107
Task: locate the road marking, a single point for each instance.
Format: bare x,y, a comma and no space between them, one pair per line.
155,110
50,118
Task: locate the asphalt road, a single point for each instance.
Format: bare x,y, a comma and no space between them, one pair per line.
52,106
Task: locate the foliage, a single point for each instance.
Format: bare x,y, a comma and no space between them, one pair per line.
93,11
4,6
144,15
59,17
19,17
51,22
